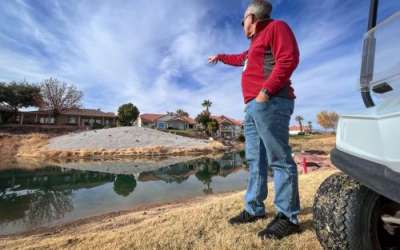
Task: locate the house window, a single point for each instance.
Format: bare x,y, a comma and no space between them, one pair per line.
161,125
46,120
72,120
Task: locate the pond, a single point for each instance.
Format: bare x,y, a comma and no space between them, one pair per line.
57,194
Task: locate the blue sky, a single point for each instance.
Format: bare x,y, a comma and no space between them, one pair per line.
153,53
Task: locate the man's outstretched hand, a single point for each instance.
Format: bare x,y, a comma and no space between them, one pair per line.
213,59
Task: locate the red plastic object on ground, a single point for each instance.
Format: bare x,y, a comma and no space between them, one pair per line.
304,165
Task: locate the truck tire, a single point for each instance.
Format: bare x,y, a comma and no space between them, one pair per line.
344,214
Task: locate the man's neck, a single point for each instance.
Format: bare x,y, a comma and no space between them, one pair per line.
259,26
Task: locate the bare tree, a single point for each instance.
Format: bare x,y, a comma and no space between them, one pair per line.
59,96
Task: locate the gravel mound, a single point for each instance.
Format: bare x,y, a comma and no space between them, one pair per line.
120,138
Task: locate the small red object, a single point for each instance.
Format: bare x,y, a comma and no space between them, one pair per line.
304,165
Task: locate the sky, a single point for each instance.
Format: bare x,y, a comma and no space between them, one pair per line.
153,53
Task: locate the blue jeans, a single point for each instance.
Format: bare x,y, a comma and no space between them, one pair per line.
267,145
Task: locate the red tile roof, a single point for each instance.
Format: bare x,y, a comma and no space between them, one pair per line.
150,117
222,118
189,120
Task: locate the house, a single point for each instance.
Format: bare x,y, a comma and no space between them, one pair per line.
172,121
165,121
296,130
228,127
80,118
148,120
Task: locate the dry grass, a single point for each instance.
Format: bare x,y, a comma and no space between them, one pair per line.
198,224
323,142
211,147
13,145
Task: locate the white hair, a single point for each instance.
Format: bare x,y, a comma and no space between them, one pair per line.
261,9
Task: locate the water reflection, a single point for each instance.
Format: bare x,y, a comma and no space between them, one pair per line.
44,196
124,185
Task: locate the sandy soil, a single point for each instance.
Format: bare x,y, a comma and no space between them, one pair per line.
197,224
106,143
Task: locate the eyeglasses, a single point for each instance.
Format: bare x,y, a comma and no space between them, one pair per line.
244,19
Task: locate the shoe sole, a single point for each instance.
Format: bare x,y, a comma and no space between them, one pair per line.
266,237
247,222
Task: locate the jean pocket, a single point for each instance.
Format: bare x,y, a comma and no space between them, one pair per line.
261,105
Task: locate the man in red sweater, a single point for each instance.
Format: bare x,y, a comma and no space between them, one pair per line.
268,64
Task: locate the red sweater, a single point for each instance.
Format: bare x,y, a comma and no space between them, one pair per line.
269,62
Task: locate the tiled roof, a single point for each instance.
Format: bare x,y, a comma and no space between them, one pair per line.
150,117
188,120
223,118
81,112
155,117
89,112
183,119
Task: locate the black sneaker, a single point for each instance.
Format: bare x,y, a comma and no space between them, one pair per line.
279,228
245,217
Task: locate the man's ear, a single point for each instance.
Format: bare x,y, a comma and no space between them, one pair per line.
253,18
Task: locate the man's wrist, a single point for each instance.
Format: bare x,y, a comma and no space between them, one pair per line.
265,92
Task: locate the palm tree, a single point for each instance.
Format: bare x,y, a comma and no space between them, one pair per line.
300,120
206,104
310,126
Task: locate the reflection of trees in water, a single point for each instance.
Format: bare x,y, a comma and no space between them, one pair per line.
124,184
13,207
48,205
176,173
204,170
42,195
207,170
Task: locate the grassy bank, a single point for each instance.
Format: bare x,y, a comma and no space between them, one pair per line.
197,224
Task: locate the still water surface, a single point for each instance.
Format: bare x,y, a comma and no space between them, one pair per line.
51,195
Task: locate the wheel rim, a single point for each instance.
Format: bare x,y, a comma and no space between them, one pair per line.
384,235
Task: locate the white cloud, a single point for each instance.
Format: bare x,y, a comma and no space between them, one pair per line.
154,54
